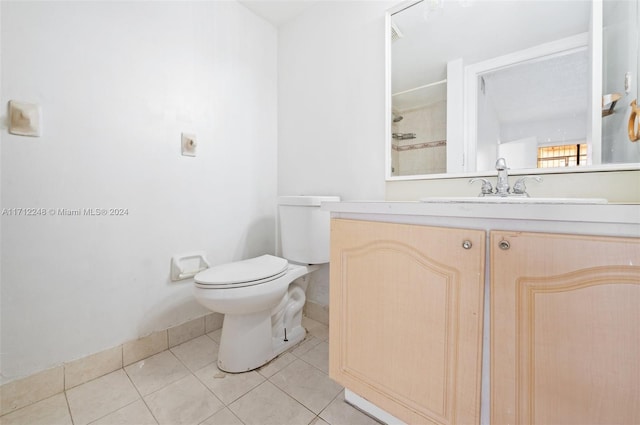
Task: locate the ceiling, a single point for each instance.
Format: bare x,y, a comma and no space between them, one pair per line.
540,90
278,12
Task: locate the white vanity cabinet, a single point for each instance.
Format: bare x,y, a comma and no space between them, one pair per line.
561,292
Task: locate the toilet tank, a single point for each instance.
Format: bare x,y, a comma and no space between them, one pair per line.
304,228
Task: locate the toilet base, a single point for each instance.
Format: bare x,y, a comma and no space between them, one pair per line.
294,337
246,342
249,341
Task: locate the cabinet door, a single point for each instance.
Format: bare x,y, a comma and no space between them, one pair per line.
406,318
565,329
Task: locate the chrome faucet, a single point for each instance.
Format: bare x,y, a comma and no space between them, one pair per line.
502,186
486,189
519,187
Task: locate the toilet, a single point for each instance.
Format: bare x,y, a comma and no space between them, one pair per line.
262,297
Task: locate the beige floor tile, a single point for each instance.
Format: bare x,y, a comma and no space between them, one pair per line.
136,413
318,356
197,353
339,412
223,417
215,335
228,387
276,365
307,344
317,329
318,421
51,411
268,405
186,401
100,397
155,372
311,387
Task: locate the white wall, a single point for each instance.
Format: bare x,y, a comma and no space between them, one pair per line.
331,107
118,82
331,101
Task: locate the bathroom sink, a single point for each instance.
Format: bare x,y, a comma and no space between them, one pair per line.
512,200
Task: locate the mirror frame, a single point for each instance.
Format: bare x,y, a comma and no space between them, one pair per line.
595,118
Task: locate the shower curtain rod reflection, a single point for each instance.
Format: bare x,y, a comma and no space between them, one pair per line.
420,87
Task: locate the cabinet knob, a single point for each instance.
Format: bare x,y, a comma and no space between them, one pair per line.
504,245
467,244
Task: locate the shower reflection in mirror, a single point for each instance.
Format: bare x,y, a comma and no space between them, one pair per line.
419,130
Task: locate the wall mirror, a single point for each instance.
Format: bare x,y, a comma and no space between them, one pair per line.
548,85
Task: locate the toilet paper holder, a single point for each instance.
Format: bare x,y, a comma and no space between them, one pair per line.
185,266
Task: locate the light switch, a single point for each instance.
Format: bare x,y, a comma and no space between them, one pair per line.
24,119
189,144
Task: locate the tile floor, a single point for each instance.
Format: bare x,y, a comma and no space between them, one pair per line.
182,385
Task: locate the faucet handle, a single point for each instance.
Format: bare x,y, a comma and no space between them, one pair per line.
519,188
486,188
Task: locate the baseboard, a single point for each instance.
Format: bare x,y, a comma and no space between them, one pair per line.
317,312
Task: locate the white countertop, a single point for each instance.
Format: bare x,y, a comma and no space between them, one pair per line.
606,219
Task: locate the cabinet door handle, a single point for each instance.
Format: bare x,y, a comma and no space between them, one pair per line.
504,245
467,244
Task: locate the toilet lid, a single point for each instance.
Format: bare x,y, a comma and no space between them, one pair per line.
254,270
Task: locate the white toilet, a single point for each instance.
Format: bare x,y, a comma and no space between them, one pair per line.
262,297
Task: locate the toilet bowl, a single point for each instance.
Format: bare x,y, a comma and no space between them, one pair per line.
262,297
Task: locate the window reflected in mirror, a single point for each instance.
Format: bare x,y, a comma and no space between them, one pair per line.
562,156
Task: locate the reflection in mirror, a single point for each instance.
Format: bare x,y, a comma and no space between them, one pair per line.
535,112
620,78
474,80
419,144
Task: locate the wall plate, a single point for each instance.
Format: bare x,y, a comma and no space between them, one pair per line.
24,119
189,144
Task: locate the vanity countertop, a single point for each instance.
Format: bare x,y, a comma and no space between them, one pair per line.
604,219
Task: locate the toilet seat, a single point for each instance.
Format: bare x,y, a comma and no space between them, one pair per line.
253,271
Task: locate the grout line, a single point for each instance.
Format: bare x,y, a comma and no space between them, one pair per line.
122,356
119,408
314,420
205,385
68,407
236,416
141,396
320,370
293,398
